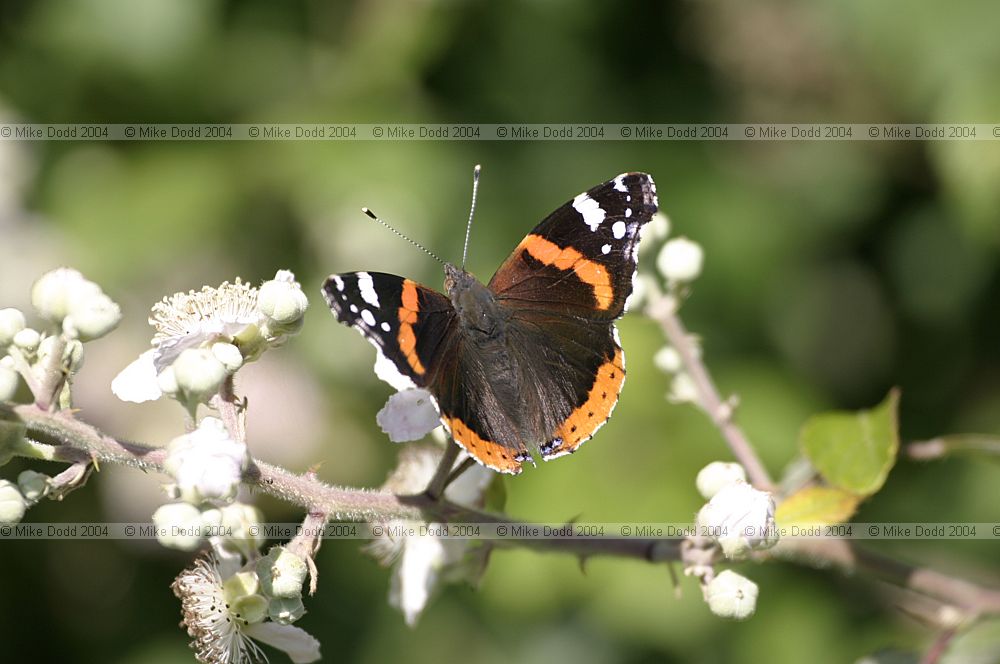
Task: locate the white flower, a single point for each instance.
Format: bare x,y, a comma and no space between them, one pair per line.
741,518
425,560
716,475
409,415
206,464
683,389
680,260
730,595
228,314
220,633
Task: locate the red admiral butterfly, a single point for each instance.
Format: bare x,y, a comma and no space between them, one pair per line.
532,360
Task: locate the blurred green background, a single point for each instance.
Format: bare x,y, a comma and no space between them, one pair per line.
833,271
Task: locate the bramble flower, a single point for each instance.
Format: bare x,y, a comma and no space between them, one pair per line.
743,517
409,415
424,561
206,464
230,314
11,322
225,615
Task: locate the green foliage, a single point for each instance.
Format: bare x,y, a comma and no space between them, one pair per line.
817,505
854,451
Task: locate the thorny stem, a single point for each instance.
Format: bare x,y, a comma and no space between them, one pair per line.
346,504
662,309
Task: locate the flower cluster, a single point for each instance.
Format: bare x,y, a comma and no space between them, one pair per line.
424,561
738,519
203,337
73,310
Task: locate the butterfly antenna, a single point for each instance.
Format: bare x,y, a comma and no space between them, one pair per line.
472,211
398,234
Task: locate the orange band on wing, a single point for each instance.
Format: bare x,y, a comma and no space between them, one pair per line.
490,454
407,317
595,411
590,272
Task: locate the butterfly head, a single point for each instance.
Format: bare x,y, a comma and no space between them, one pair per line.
476,304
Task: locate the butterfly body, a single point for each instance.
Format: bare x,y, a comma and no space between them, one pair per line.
531,362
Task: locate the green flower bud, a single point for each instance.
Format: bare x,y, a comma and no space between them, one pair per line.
229,355
12,505
198,373
730,595
27,340
285,610
282,573
34,486
282,300
11,322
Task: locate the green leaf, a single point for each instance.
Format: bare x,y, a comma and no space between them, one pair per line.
817,505
854,451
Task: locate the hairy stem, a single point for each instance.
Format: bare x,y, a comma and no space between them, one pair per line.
662,309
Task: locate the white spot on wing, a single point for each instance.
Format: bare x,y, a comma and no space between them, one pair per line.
628,212
338,282
606,249
354,308
590,210
620,183
367,287
618,229
385,327
367,317
387,371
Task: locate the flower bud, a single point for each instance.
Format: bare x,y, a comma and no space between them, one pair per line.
12,505
9,380
56,291
11,322
198,373
680,260
285,610
92,317
34,486
282,573
408,415
27,340
668,360
683,389
178,526
73,355
744,518
730,595
243,521
229,355
206,463
281,299
716,475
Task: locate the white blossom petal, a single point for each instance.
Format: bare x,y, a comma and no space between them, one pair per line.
300,646
409,415
137,382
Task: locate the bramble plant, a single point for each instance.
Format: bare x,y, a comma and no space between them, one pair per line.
235,594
